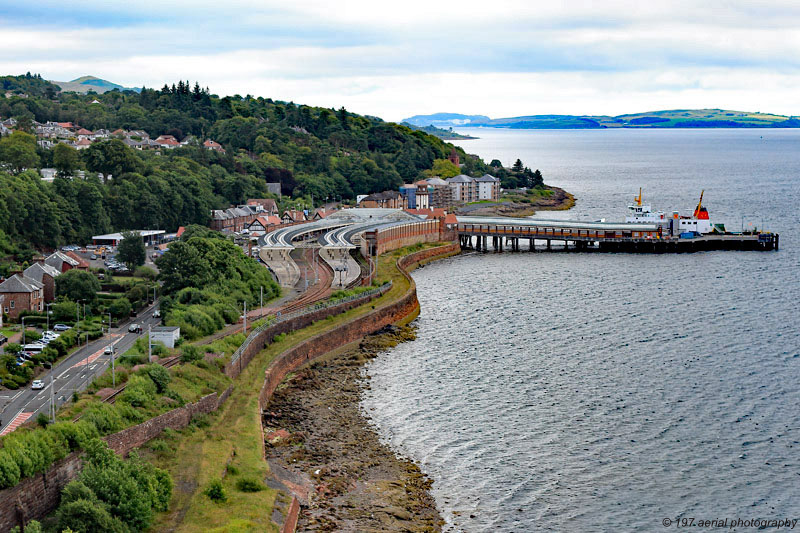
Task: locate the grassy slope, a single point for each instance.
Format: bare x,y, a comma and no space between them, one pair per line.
195,457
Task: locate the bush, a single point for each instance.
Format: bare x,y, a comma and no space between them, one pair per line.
42,419
249,485
215,491
86,515
190,354
159,375
139,392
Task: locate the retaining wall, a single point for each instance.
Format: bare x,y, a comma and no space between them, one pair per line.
233,369
35,497
351,331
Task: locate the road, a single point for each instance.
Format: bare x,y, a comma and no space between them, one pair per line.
72,374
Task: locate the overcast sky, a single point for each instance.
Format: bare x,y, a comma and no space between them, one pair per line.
396,59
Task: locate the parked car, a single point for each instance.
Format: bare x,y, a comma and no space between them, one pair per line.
134,328
37,384
35,347
61,327
3,339
93,256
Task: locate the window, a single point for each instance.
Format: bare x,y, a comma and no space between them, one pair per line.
12,304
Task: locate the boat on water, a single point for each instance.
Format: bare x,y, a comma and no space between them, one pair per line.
698,223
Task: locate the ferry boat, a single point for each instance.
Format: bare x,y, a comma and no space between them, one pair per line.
699,223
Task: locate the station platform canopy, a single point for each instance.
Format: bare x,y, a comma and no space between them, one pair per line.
113,239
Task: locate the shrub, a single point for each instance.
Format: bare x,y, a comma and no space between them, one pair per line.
159,375
121,307
190,353
145,272
86,515
215,491
249,485
105,417
42,419
139,392
232,470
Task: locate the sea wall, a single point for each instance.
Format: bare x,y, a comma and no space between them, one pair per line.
35,497
353,330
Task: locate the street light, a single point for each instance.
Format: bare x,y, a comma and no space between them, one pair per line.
23,330
48,315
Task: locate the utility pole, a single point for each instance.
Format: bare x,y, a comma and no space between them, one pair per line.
52,396
261,306
48,315
23,330
244,324
87,359
149,346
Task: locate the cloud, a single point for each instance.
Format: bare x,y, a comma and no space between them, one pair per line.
410,57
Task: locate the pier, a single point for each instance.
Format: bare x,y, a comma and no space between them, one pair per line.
499,234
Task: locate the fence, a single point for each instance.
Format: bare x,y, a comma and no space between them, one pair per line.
271,321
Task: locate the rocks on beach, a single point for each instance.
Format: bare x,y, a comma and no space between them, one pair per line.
320,445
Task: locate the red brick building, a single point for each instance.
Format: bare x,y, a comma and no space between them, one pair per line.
21,293
46,275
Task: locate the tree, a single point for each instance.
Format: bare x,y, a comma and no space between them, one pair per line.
18,151
77,285
518,166
131,250
66,159
443,168
111,158
121,307
497,164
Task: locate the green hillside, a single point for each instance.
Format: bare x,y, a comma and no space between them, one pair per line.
85,84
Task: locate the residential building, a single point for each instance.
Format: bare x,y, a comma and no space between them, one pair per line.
82,144
488,187
208,144
83,133
422,194
293,215
46,275
61,261
167,141
464,188
321,212
21,293
166,335
263,224
409,193
268,205
385,199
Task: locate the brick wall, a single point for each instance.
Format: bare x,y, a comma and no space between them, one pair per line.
35,497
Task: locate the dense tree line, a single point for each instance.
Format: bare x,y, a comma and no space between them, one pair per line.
310,150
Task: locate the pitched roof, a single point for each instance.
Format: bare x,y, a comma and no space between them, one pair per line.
38,270
181,229
20,283
487,178
56,259
82,263
450,219
83,142
83,131
208,143
461,178
267,203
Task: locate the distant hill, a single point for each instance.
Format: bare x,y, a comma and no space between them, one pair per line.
446,120
675,118
84,84
444,134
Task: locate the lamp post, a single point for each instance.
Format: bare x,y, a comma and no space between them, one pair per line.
48,315
261,304
23,330
244,315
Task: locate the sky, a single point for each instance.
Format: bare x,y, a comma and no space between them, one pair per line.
397,59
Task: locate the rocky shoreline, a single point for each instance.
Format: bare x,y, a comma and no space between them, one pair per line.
322,448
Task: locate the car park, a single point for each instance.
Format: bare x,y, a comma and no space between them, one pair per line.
61,327
37,384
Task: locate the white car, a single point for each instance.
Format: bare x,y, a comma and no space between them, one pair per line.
37,384
109,349
157,313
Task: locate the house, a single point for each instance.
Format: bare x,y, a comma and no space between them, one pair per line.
102,134
140,134
263,224
82,263
4,130
168,335
68,126
321,212
293,215
83,133
385,199
180,231
119,133
208,144
61,262
167,141
83,144
268,205
46,275
21,293
48,174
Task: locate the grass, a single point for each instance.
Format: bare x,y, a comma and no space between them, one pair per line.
232,441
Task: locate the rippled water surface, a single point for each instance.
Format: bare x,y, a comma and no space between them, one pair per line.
588,391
